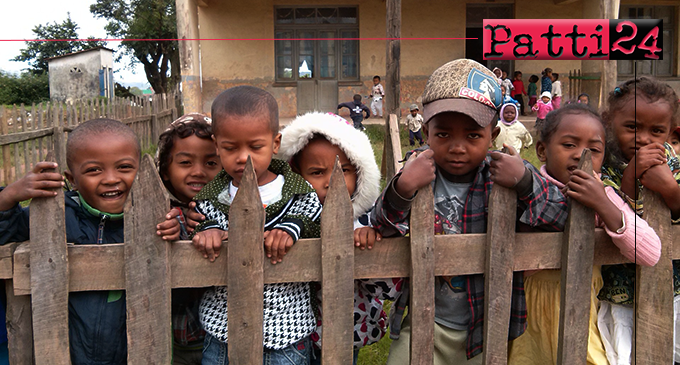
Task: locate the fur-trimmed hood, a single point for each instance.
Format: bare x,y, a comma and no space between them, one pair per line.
354,143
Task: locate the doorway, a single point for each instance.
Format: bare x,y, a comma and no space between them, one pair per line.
317,85
474,23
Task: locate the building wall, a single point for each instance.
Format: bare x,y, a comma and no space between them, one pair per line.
77,76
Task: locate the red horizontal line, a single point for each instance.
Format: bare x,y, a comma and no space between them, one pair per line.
224,39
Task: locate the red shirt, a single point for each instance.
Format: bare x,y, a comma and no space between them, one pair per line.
519,87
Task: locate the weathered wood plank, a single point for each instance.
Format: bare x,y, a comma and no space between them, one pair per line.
337,269
49,280
147,270
6,154
577,272
19,327
500,238
422,264
24,136
654,291
6,260
245,251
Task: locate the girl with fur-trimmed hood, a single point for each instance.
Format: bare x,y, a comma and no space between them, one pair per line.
310,144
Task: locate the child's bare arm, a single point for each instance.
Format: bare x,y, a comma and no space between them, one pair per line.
589,191
169,229
646,157
277,242
365,237
38,183
659,178
209,242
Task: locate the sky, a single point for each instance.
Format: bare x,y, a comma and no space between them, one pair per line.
27,14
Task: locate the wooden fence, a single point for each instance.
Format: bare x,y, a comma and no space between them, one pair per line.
27,133
148,268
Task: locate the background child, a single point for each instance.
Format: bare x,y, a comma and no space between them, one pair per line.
311,143
101,175
356,111
246,123
584,98
507,83
186,160
460,131
513,133
377,94
542,108
415,122
564,136
674,140
532,90
506,97
546,80
556,91
519,90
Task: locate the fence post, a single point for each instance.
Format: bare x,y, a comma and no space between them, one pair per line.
6,154
147,270
500,238
421,307
337,272
392,148
19,326
49,280
577,272
245,251
654,291
59,145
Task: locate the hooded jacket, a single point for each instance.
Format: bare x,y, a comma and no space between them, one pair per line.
369,317
97,333
513,132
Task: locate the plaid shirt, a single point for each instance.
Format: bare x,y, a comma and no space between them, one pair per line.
543,207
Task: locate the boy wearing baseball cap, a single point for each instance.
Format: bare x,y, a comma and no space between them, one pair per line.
460,107
415,122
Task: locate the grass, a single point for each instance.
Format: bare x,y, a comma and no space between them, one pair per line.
376,354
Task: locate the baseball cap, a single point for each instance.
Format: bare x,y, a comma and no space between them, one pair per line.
413,107
463,86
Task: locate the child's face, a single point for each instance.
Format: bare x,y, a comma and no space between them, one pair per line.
459,143
653,125
316,162
193,164
518,77
509,113
104,173
562,153
583,100
503,90
414,112
241,136
545,99
376,81
497,73
505,75
674,140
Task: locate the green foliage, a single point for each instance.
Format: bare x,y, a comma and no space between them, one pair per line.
37,53
26,88
145,19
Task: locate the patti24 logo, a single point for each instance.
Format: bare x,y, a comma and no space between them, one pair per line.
573,39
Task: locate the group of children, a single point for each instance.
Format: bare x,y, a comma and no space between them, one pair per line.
201,162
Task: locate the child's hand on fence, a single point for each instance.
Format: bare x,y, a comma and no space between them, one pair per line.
648,156
276,243
193,217
507,169
40,182
418,172
209,242
586,189
659,178
365,237
169,229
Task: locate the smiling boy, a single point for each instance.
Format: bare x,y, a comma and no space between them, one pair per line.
460,124
246,123
101,175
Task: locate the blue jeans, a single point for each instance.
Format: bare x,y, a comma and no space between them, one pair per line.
215,353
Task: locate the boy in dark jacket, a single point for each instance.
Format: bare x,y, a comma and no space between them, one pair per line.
356,111
101,174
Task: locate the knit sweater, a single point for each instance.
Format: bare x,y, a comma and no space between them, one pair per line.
288,315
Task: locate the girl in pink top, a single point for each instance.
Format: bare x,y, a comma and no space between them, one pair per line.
564,135
542,108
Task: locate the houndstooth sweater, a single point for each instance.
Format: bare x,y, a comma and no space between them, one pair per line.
288,315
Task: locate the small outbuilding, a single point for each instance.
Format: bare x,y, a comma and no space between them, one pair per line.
83,74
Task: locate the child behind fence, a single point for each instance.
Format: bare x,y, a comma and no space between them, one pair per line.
311,143
565,134
641,115
186,161
101,175
461,127
246,123
513,132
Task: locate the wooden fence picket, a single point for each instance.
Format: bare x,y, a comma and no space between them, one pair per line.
337,272
245,251
147,270
49,280
422,270
577,272
654,291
